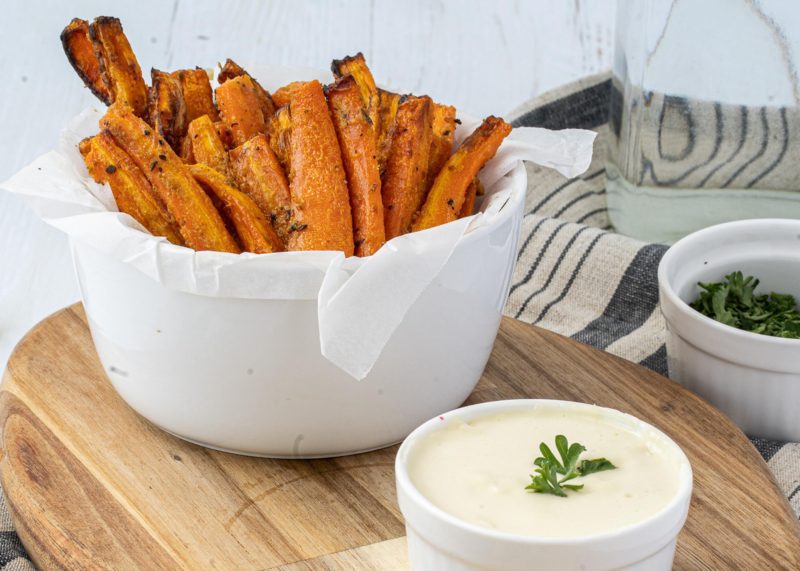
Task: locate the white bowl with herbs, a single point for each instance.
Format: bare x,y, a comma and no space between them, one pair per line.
729,295
541,484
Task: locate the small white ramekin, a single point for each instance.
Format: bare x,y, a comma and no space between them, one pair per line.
438,541
754,379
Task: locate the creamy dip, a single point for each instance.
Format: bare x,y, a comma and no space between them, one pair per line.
478,470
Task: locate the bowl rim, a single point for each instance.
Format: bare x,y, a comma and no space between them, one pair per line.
682,495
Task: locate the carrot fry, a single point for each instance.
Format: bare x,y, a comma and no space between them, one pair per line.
232,69
360,163
357,67
200,224
197,94
254,231
80,53
259,175
185,152
240,108
207,147
118,66
444,132
225,134
469,201
167,108
407,165
387,112
322,218
283,96
280,130
132,192
448,194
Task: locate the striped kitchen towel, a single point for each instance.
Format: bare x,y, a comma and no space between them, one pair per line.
576,277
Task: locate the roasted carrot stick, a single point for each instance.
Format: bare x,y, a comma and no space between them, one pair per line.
473,190
407,165
448,194
132,191
225,134
167,108
280,137
240,108
200,224
81,55
283,96
118,65
443,126
388,110
321,216
360,163
254,231
259,175
197,93
357,67
207,147
232,69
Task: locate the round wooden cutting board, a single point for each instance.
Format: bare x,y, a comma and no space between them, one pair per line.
90,484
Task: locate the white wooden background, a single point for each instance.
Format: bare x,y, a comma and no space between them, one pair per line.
484,57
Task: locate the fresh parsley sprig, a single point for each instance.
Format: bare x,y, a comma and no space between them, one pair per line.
551,474
733,302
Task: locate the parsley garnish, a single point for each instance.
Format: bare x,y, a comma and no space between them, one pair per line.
546,479
733,302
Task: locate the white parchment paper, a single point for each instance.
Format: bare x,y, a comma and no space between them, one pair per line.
357,298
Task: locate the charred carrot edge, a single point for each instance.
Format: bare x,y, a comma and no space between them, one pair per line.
259,174
443,127
322,218
357,67
118,65
80,53
252,228
132,191
474,188
280,137
232,69
207,147
283,96
240,109
197,93
388,110
200,224
360,164
167,108
407,165
449,190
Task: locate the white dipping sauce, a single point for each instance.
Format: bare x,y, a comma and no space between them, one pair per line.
478,470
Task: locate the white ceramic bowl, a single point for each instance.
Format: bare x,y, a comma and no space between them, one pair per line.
754,379
247,375
438,541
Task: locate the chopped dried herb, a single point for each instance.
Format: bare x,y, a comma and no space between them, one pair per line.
111,169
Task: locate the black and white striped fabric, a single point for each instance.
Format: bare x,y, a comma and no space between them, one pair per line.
575,276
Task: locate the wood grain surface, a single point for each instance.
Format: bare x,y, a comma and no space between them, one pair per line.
92,485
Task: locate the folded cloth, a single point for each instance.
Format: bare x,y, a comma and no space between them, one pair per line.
575,276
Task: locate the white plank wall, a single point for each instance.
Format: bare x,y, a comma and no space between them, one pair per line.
485,57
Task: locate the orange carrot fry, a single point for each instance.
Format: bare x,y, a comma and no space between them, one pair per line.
354,130
357,67
387,112
81,55
469,202
132,191
444,131
167,108
185,152
200,224
254,231
283,96
259,175
197,93
448,194
207,147
240,108
280,130
407,165
232,69
225,134
322,218
118,66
